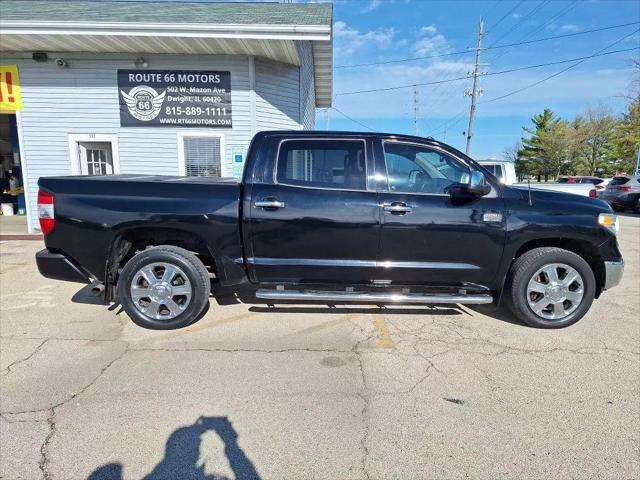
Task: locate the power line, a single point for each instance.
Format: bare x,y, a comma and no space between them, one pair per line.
517,69
493,47
599,53
505,16
540,28
523,19
352,119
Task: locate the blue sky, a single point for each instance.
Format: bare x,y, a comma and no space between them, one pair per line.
381,30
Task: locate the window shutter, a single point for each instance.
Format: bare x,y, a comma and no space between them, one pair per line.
202,157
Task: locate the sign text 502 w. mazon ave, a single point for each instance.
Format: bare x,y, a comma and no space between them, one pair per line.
174,98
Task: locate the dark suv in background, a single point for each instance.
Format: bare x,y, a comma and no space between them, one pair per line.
623,193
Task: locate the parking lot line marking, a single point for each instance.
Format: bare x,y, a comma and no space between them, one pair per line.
384,335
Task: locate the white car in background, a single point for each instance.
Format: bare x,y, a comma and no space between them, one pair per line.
506,173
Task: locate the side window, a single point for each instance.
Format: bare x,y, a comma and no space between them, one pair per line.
491,168
323,164
417,169
499,173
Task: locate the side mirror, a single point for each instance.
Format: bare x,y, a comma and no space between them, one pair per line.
478,184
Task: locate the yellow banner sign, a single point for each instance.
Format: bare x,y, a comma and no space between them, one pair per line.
10,99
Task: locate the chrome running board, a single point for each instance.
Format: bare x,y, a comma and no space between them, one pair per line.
374,297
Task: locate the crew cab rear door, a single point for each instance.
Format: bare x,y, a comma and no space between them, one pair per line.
429,234
314,218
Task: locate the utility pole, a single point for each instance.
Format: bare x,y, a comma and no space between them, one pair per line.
415,110
475,91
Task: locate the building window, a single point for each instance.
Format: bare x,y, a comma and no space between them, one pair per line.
94,154
323,164
201,155
95,158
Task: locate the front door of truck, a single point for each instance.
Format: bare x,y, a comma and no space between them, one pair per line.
316,221
431,235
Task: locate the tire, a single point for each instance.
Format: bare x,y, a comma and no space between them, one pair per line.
532,284
164,288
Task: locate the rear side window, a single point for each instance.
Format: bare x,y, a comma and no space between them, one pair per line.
619,181
592,181
323,164
491,168
495,170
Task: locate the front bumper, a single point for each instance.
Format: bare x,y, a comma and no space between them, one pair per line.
59,267
613,273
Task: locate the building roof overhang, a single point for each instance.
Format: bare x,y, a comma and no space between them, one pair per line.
271,41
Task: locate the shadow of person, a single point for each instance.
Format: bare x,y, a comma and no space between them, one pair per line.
110,471
182,454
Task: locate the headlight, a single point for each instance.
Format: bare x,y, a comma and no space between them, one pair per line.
610,221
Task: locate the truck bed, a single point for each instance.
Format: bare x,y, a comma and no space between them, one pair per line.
93,211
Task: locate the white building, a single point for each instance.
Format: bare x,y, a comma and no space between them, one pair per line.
159,87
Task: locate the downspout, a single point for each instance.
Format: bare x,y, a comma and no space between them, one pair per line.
252,95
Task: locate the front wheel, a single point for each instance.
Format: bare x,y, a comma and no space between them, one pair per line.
163,288
551,287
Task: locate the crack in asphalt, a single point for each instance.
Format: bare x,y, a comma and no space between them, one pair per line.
364,394
447,333
238,350
7,369
44,461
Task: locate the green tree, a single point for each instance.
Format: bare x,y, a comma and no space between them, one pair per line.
545,150
595,142
626,138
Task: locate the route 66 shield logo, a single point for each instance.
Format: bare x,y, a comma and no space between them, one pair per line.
144,103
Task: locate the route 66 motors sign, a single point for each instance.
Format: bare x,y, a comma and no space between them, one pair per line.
174,98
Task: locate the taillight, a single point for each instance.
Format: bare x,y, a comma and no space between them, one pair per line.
46,213
625,189
593,193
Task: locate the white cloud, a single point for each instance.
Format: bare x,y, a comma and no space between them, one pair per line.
373,4
349,40
569,27
436,45
429,30
516,15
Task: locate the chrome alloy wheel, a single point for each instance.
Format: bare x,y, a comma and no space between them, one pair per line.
555,291
161,291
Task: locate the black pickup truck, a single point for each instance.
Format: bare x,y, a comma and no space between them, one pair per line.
331,217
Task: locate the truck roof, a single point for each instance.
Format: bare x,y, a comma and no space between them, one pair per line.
342,133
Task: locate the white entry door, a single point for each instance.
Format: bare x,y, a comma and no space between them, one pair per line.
96,158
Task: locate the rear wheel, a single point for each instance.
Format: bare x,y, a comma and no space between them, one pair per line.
164,287
551,287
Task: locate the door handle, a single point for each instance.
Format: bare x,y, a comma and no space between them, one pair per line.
269,203
397,208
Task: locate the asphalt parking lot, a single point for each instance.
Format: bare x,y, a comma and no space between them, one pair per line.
300,392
